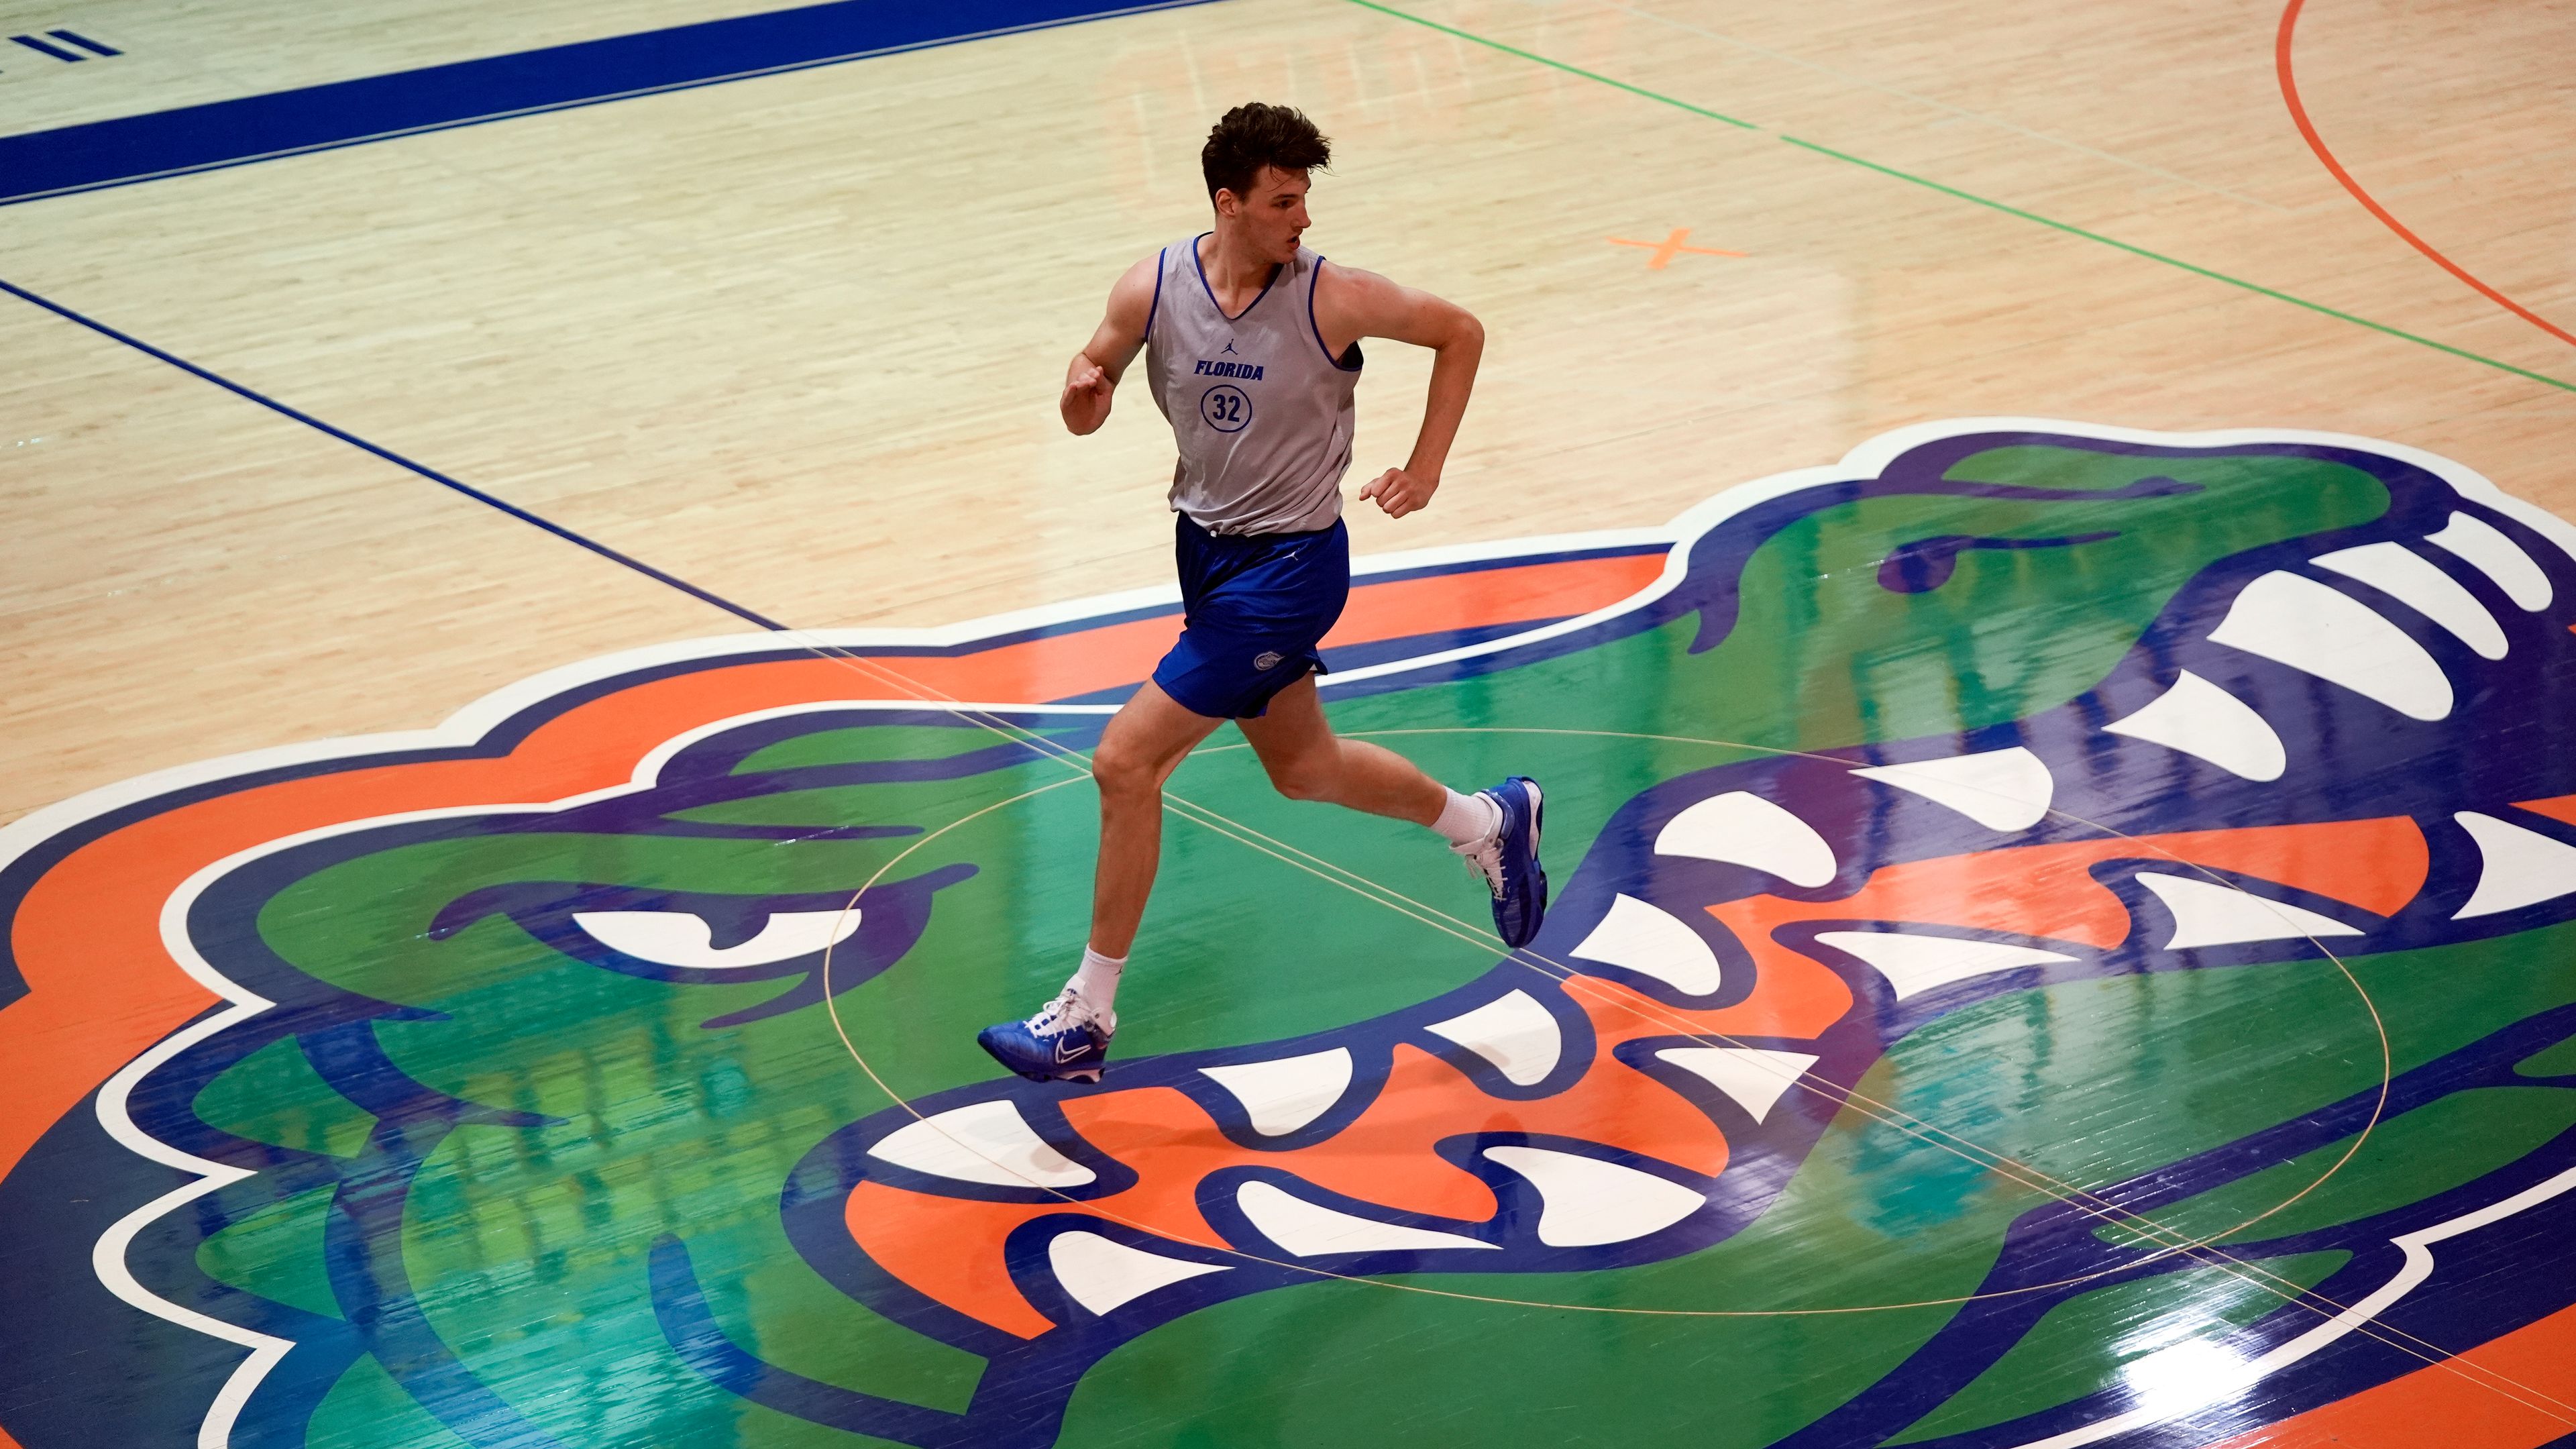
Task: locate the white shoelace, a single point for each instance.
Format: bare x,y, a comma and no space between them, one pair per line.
1485,861
1066,1011
1057,1013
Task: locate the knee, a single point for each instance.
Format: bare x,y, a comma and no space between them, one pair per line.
1121,772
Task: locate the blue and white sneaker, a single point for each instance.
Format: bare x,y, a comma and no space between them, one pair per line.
1065,1042
1508,860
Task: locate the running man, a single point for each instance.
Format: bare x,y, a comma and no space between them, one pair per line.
1252,351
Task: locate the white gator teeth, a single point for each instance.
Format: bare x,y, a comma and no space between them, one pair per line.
683,938
2206,913
987,1142
1285,1094
1310,1230
1102,1275
1585,1202
1914,964
2318,630
2491,553
1752,1076
1999,789
1741,828
1513,1032
1637,936
2409,577
2517,867
2204,721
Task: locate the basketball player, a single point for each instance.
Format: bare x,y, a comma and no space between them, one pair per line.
1252,351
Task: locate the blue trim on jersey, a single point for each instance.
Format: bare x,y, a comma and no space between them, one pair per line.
1199,262
1162,259
1356,361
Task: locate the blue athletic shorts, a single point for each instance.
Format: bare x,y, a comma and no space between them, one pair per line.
1254,607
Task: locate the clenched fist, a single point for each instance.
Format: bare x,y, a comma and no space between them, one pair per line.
1400,492
1087,386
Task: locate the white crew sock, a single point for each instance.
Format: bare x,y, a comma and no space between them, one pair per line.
1097,982
1468,820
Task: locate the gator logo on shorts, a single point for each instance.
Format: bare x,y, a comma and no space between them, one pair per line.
1266,659
2017,883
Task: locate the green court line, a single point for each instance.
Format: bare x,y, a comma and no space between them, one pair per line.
1970,196
2193,268
1493,44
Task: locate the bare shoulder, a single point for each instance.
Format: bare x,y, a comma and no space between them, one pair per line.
1352,286
1131,297
1121,333
1351,302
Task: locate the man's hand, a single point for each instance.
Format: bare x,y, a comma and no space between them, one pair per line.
1399,492
1087,386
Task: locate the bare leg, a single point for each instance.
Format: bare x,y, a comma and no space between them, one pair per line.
1144,743
1307,761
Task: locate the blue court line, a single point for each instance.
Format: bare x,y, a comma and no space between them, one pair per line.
84,42
41,47
348,113
390,456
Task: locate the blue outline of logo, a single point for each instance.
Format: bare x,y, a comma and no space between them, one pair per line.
1656,604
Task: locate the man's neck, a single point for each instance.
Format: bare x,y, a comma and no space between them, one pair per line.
1233,272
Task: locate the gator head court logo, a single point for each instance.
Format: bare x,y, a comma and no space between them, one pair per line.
2064,937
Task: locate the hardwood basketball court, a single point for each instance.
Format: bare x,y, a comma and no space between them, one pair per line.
552,629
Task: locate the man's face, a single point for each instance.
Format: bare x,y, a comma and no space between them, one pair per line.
1273,216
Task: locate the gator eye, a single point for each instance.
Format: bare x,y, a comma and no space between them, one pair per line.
683,938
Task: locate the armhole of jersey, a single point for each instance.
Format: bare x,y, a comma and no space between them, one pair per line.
1313,280
1162,261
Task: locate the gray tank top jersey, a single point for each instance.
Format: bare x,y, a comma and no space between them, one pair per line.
1261,412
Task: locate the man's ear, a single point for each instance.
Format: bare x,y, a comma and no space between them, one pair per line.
1224,197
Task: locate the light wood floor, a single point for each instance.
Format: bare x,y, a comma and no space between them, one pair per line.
796,339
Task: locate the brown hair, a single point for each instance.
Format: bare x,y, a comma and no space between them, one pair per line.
1256,135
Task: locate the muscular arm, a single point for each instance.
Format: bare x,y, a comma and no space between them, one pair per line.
1094,372
1350,305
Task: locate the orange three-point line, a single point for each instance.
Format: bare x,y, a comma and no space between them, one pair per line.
1670,247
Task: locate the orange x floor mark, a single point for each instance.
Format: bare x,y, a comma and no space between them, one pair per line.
1669,247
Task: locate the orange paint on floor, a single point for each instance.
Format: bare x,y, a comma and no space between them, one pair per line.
1670,247
1387,1156
2560,808
1792,997
1471,600
2444,1407
77,1024
949,1250
2049,891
